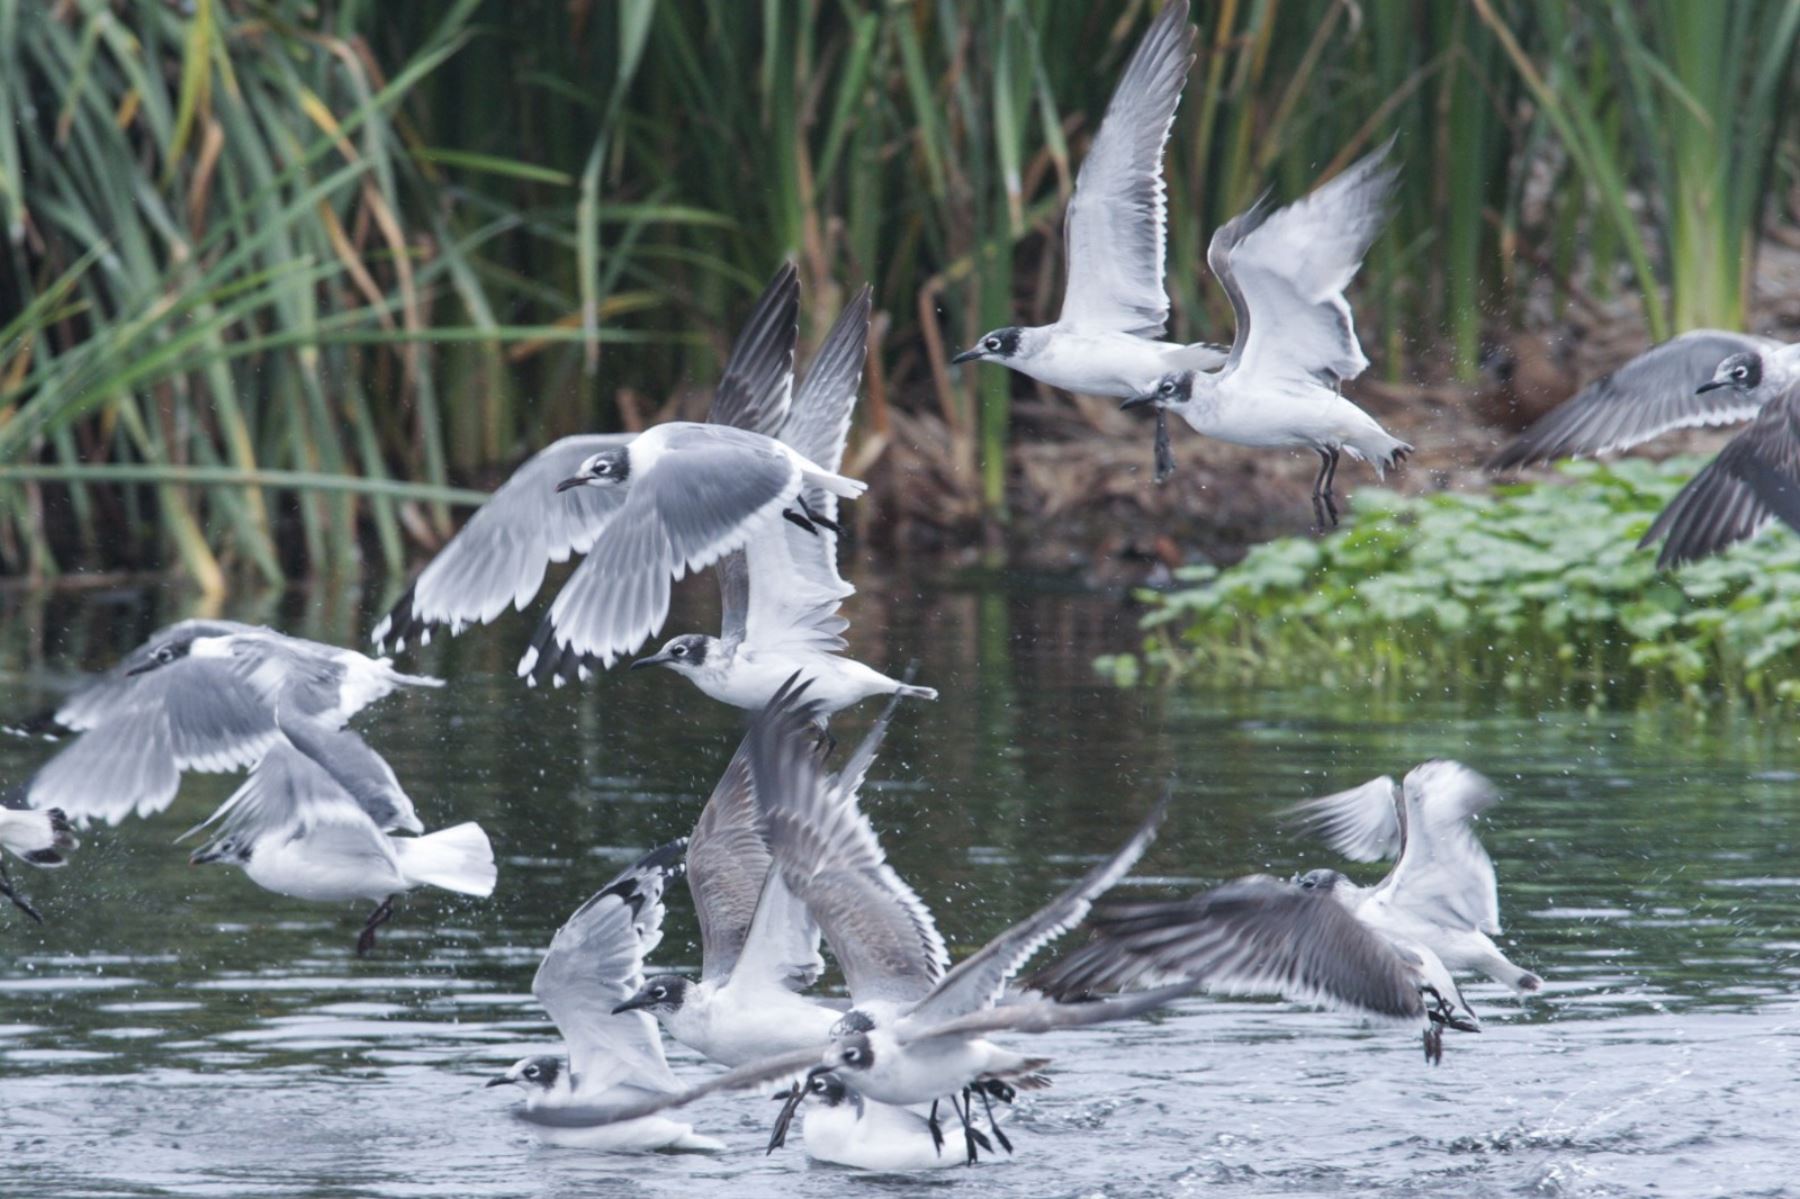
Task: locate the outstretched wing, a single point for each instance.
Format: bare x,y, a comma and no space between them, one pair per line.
1286,271
1443,873
829,857
1655,392
1116,229
596,962
1754,480
758,379
499,557
1362,823
978,980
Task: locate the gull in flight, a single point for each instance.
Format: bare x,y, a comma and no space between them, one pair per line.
295,830
1261,935
916,1031
779,595
215,696
1108,339
595,962
1441,892
1295,344
40,838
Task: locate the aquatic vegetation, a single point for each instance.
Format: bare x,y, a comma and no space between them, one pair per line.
1535,589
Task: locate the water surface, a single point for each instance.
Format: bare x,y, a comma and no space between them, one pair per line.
175,1030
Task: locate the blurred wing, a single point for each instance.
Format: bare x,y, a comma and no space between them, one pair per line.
500,556
879,930
703,498
1286,272
1653,393
1045,1015
278,791
1255,936
118,690
1116,229
596,962
758,379
1755,479
358,769
744,1078
124,767
1363,823
819,423
1443,873
978,980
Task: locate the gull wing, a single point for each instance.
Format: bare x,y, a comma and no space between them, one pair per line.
1255,936
1754,480
710,490
1116,229
1653,393
289,791
978,980
748,918
826,850
499,557
1285,272
1044,1015
1363,823
596,962
757,383
744,1078
358,769
1442,871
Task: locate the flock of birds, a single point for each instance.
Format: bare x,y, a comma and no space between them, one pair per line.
783,858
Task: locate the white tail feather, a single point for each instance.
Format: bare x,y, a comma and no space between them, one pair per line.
456,859
40,837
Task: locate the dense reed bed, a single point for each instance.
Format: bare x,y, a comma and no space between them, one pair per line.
282,277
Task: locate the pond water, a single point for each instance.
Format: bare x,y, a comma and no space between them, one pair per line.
177,1030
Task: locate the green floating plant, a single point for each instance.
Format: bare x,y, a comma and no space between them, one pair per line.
1534,589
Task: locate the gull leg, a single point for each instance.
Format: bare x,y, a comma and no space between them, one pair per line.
1330,482
937,1130
1165,456
1318,491
815,518
18,901
790,1105
365,941
987,1103
972,1137
797,518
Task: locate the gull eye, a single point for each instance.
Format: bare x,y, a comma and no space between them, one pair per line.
531,1072
993,344
1168,388
679,651
1740,372
853,1057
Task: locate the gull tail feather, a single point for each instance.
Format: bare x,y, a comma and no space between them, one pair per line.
40,837
457,859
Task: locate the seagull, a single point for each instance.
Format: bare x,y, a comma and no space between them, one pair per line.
839,1126
215,696
40,838
915,1032
1754,480
1706,377
1260,935
779,595
499,558
595,962
1441,891
1295,345
1108,339
295,830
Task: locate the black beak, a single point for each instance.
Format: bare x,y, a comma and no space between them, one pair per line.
146,668
966,356
1149,397
652,660
814,1073
632,1005
577,481
1709,385
499,1080
202,856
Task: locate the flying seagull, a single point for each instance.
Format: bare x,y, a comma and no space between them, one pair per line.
1108,339
1706,377
295,830
499,557
779,595
596,962
1441,891
1260,935
1295,345
40,838
915,1031
215,696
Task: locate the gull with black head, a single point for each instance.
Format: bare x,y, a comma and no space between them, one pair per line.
615,1057
1295,345
215,696
779,595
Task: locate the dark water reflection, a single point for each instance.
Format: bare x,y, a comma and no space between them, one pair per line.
178,1030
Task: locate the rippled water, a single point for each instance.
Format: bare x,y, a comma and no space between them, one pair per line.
176,1030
